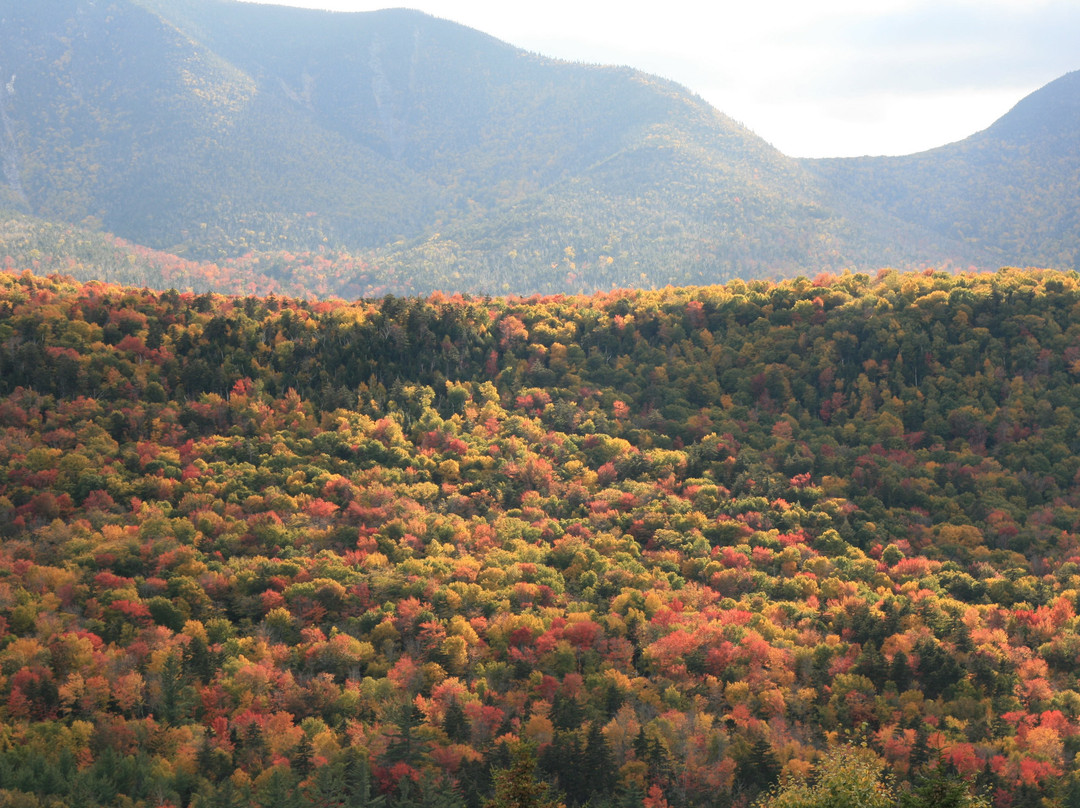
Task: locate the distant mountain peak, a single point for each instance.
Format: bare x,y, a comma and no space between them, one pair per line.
1052,111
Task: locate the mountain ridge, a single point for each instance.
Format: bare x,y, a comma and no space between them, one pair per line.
211,129
1029,157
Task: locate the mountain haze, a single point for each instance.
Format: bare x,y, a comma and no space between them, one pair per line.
447,159
1013,189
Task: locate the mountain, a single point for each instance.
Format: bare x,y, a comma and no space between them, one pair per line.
116,117
1013,189
210,128
436,157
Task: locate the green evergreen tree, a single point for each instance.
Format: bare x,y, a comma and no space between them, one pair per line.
566,712
406,747
562,759
326,787
900,672
455,722
177,697
920,750
358,785
433,791
938,788
278,790
597,763
301,757
759,769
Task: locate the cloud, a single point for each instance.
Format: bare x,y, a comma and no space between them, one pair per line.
820,78
892,77
956,45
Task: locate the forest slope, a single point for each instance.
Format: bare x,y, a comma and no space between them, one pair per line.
278,552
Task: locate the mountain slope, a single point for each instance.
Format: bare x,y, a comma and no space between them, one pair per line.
116,118
440,157
696,200
212,128
1013,188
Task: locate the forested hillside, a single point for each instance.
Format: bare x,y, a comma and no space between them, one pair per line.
49,247
648,548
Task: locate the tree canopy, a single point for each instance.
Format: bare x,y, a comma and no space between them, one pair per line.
693,547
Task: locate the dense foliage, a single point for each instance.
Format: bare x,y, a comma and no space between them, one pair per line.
785,543
46,248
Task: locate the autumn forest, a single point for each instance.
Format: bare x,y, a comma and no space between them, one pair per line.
753,544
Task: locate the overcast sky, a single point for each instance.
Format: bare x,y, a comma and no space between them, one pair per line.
816,78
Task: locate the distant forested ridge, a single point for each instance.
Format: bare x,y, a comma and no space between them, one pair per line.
630,549
1012,188
415,154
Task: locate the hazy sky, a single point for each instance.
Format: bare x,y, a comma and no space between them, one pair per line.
816,78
